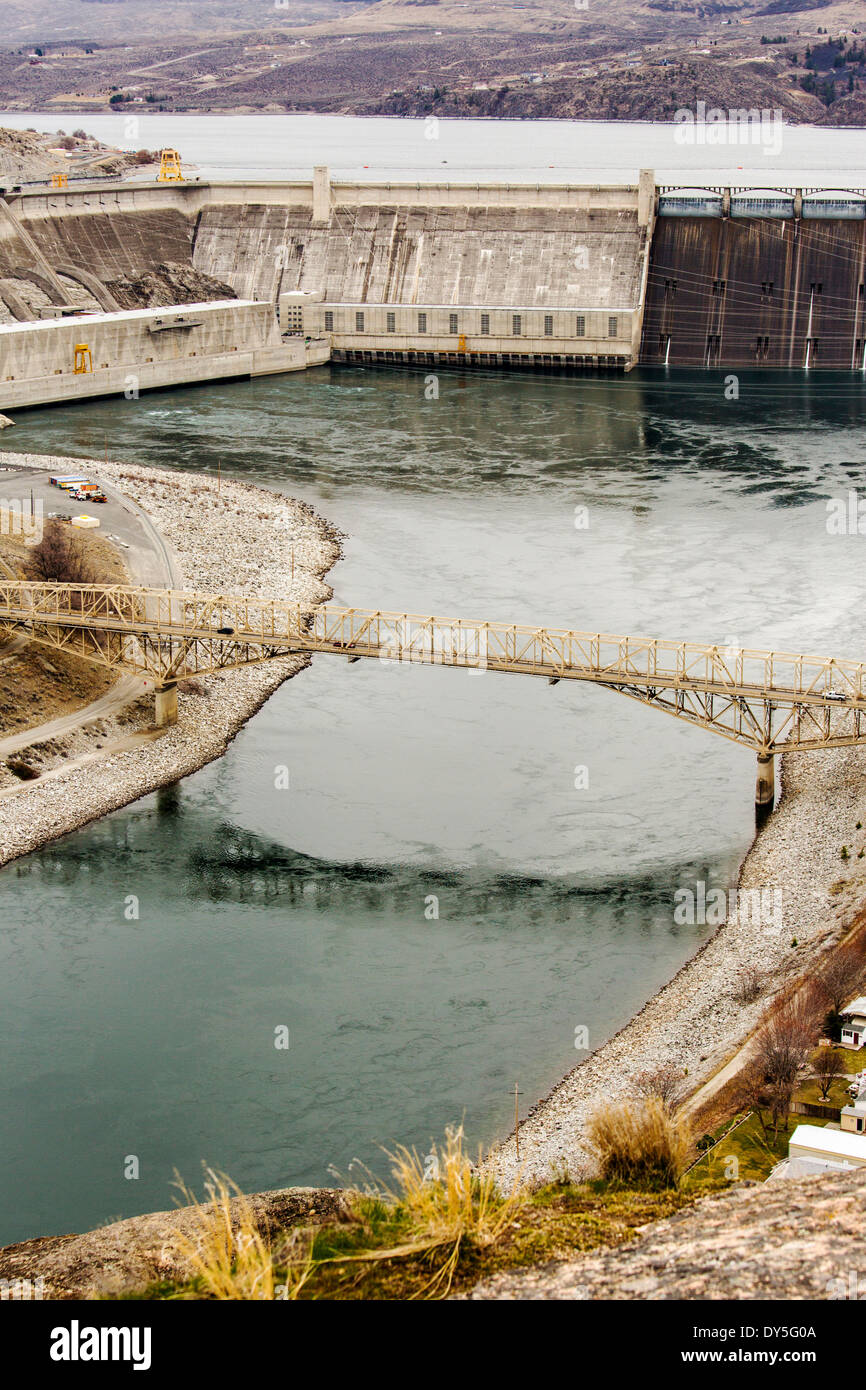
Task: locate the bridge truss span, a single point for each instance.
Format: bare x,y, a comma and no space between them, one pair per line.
767,700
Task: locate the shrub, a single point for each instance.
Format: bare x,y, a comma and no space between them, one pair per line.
638,1144
61,557
22,769
750,983
664,1084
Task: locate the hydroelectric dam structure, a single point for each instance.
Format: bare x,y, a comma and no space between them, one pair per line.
541,277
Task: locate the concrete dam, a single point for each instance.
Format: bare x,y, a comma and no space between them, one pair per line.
543,277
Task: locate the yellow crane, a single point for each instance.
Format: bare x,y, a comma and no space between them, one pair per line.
170,170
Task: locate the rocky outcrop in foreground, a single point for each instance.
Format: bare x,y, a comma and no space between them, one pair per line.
127,1256
780,1240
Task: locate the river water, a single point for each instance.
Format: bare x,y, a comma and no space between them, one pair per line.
415,790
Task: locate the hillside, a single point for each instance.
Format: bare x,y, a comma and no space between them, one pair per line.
25,155
537,58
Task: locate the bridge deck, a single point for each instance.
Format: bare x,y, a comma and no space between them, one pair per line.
766,699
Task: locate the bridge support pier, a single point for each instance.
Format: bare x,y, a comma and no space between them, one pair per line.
765,787
166,705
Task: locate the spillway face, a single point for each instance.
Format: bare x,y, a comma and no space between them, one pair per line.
401,255
558,284
107,243
756,291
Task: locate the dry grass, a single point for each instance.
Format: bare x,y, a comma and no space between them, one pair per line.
447,1201
227,1256
438,1207
639,1144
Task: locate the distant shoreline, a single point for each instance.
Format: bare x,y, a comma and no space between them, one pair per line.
245,111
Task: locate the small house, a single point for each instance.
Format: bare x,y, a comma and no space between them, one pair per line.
852,1117
854,1022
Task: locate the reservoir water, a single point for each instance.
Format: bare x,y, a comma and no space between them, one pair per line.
313,909
274,146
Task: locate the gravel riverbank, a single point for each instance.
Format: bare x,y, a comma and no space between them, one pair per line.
697,1021
240,540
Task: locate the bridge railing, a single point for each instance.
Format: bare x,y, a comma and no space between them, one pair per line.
168,616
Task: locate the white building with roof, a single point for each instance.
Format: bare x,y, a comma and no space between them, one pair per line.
813,1149
854,1022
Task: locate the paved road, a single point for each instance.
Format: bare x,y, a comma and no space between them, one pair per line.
124,690
149,560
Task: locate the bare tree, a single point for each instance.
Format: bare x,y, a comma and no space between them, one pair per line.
752,1092
840,977
780,1050
781,1094
829,1066
785,1040
60,557
664,1084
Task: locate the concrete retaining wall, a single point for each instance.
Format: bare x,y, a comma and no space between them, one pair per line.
142,349
573,252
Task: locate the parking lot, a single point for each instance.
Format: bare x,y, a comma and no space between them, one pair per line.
145,553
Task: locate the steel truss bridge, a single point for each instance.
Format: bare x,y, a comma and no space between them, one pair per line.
768,701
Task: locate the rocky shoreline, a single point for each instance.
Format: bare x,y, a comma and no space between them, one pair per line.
697,1022
240,539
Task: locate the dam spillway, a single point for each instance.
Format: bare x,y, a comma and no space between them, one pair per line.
784,290
544,277
509,275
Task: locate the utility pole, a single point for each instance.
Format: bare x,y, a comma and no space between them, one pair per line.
517,1120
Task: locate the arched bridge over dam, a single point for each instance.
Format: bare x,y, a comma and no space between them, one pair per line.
769,701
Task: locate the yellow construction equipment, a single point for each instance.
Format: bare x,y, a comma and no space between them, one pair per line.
59,180
461,343
169,167
83,359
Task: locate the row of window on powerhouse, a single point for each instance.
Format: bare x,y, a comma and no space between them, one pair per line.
454,327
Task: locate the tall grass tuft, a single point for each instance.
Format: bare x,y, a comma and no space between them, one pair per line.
440,1203
639,1144
443,1203
227,1256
